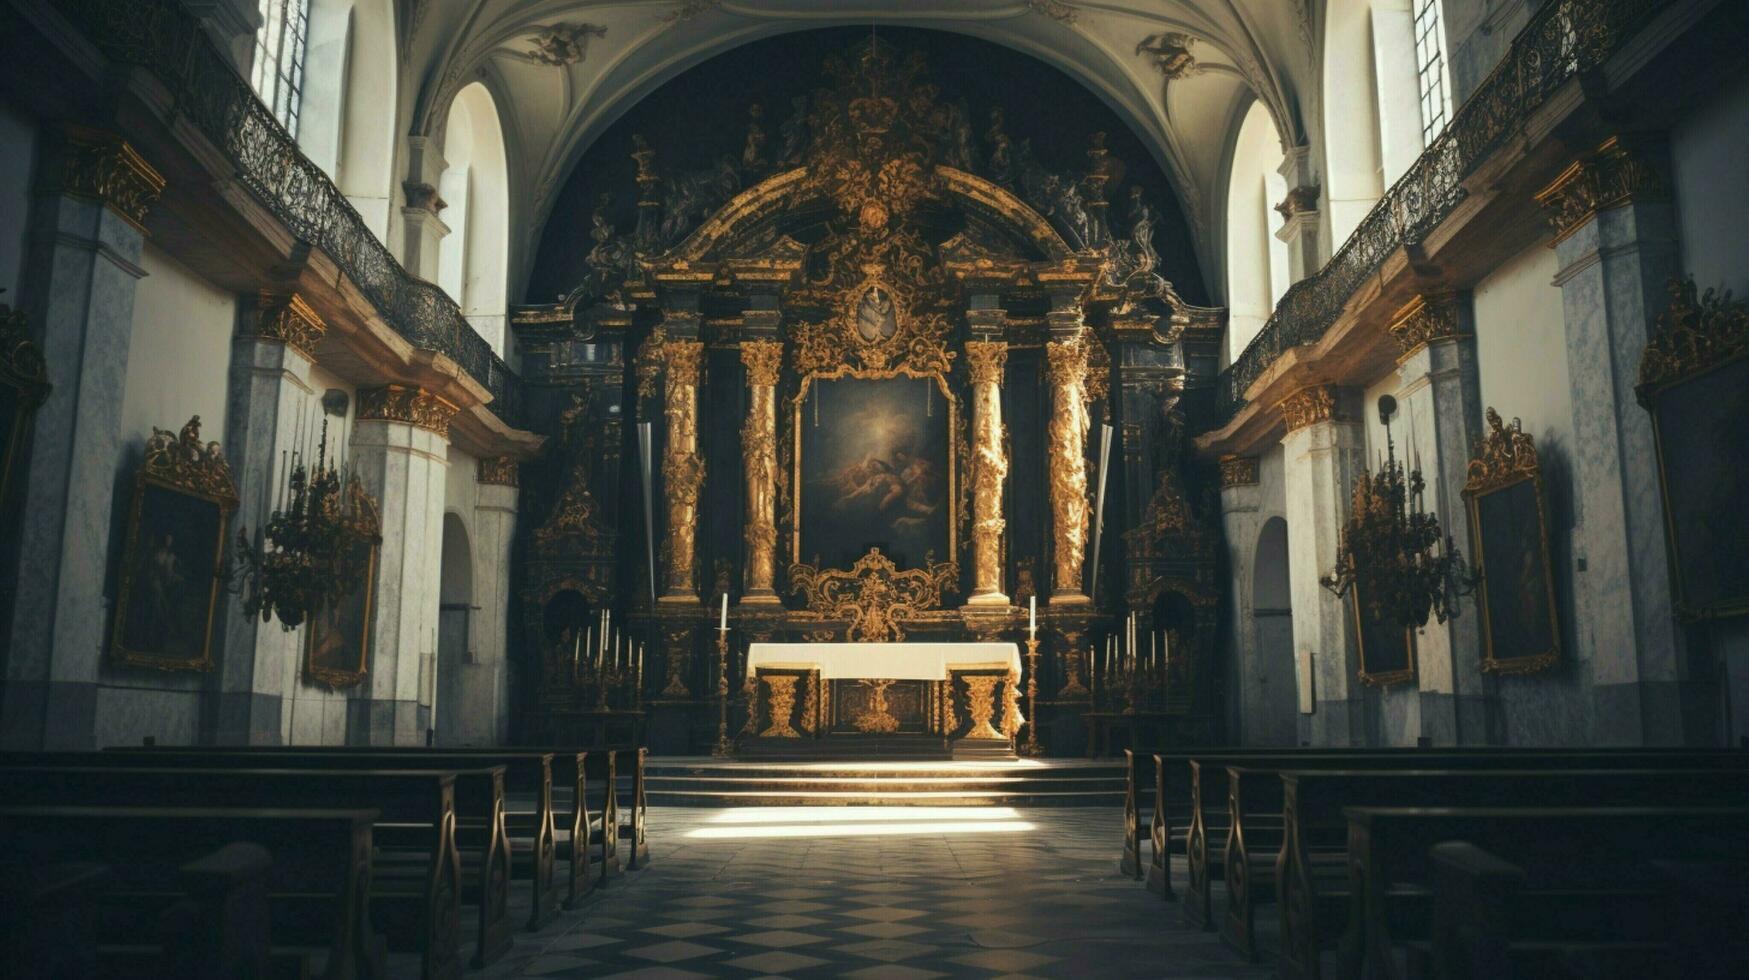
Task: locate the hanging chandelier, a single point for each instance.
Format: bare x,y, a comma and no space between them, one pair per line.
315,549
1393,551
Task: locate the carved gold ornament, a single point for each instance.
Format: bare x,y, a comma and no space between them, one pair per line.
1424,320
576,517
782,691
682,465
291,321
763,359
404,403
181,460
1611,177
1504,456
1066,367
873,596
1238,471
500,471
989,467
1507,456
1692,335
104,167
874,715
1309,406
981,704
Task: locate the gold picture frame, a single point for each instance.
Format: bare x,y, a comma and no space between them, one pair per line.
1521,621
1694,380
843,372
1386,669
24,384
169,586
327,661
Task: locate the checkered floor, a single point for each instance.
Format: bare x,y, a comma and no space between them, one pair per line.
875,892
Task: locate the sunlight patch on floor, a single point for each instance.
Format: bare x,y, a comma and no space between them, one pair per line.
755,823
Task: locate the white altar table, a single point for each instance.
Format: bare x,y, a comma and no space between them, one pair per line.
883,661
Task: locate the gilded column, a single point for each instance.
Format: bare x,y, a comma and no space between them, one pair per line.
763,359
1067,454
682,466
985,360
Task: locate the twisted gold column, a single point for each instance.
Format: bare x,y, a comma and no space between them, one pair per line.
1067,434
763,359
984,359
682,466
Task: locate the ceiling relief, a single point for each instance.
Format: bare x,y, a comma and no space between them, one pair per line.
562,45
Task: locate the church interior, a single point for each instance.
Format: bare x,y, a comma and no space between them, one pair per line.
880,489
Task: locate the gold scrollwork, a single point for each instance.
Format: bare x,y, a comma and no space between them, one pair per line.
291,321
1238,471
405,403
1611,177
1504,458
873,596
682,465
874,715
782,691
104,167
1424,320
989,468
1309,406
499,471
1066,366
1695,333
763,359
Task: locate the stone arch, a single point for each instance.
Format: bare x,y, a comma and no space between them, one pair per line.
455,609
1270,701
474,258
347,125
1256,260
1372,115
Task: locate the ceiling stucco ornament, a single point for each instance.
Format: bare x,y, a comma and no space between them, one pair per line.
1054,9
1169,53
562,45
688,10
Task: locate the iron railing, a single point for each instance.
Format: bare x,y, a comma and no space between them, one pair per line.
161,38
1564,39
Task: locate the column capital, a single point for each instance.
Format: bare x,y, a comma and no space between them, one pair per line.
1314,404
985,360
763,360
1066,361
1238,471
289,320
496,471
101,166
1611,176
1428,318
407,404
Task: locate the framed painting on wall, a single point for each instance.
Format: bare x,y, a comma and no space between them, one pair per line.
23,386
1387,649
173,559
1694,379
337,638
1509,533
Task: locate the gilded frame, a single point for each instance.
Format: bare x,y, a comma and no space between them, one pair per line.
335,678
1392,675
24,372
1697,339
798,404
180,465
1507,459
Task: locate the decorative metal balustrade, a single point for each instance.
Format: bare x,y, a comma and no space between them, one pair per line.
161,38
1564,39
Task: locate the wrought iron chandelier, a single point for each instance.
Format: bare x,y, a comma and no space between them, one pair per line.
1393,551
316,547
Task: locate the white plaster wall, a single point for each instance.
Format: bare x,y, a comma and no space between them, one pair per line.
18,138
474,695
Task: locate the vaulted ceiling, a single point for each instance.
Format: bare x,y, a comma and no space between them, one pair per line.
1180,72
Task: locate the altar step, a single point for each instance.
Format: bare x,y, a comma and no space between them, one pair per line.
838,747
712,783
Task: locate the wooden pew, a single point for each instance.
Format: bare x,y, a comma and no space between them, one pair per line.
318,885
1311,869
417,906
48,916
223,928
603,832
1613,902
1255,803
640,855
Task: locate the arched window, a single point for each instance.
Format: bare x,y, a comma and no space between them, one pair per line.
1374,96
348,115
278,71
1257,272
472,262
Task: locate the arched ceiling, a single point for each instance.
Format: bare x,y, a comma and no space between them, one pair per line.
1180,72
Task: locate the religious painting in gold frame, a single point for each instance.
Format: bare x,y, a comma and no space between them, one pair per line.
1509,535
1387,650
875,465
1694,379
173,559
23,386
337,636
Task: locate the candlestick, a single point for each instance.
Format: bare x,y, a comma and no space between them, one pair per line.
723,620
1032,615
1032,748
638,689
723,749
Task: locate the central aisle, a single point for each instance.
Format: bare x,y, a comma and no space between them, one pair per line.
877,892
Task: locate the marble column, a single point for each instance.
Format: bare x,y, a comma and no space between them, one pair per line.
1300,218
268,402
82,266
400,451
1241,520
423,230
486,682
985,360
1440,405
1322,453
1066,444
763,360
1616,241
682,466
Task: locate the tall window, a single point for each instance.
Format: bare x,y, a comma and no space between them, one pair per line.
278,72
1430,64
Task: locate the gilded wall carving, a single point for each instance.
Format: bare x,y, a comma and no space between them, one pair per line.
104,167
763,360
407,404
291,321
873,596
1066,441
989,468
682,465
1611,177
1426,319
1309,406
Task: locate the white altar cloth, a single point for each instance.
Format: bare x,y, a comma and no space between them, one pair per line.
888,661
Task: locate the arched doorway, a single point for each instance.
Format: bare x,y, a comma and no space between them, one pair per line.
452,709
1271,702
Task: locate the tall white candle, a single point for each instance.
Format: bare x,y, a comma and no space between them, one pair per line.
1153,654
723,620
1032,614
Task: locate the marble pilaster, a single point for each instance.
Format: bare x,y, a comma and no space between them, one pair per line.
423,229
1300,217
1322,453
1617,247
485,711
400,451
82,268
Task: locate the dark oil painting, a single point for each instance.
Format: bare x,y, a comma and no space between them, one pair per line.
874,470
1703,450
337,640
1516,591
1387,655
170,579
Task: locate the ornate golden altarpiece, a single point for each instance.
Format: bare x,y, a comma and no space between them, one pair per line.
870,260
